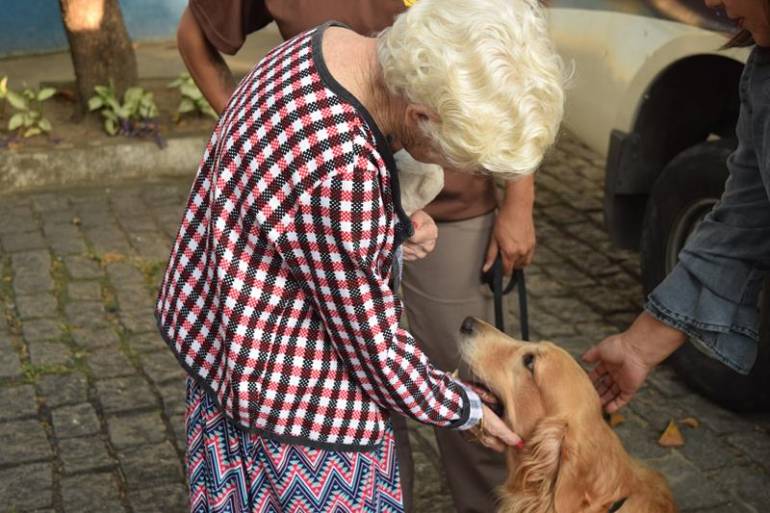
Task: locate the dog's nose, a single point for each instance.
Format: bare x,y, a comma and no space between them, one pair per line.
467,326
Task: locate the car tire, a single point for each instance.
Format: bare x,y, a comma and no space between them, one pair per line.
684,192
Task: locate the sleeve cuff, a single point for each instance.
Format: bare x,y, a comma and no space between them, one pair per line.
474,409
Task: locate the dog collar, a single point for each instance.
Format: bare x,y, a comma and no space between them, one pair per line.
617,505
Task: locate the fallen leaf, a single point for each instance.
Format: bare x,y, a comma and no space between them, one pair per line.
76,221
110,258
671,437
690,422
616,419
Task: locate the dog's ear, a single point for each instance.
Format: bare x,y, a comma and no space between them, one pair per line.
548,468
538,469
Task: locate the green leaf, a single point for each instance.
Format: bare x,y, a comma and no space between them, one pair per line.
17,100
102,90
133,95
95,103
44,125
16,121
186,105
29,94
46,93
3,87
113,104
190,91
110,126
32,131
109,114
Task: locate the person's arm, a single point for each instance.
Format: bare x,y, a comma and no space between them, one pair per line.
711,295
333,248
205,64
514,233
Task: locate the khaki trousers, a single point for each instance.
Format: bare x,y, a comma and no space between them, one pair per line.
439,292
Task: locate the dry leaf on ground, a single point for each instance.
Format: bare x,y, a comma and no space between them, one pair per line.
616,419
690,422
110,258
671,437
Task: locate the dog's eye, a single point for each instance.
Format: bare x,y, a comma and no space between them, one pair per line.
529,361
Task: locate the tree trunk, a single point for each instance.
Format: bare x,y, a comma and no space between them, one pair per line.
100,47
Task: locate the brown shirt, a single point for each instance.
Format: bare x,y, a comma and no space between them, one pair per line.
226,24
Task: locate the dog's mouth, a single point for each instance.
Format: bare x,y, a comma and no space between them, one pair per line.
486,394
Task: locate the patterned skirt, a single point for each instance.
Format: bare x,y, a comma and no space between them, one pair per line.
232,471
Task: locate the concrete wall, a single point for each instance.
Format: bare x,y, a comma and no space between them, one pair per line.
34,26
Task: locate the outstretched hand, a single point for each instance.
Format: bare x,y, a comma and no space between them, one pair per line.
624,361
619,371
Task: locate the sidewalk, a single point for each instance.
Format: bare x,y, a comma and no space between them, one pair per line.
154,60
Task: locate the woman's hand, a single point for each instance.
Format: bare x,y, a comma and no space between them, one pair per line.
424,239
625,360
493,433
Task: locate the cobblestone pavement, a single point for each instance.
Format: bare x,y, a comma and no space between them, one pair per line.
91,401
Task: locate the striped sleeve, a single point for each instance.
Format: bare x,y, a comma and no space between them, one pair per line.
334,250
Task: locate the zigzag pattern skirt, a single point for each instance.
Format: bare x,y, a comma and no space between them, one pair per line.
231,471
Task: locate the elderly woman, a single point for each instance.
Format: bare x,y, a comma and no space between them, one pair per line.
278,299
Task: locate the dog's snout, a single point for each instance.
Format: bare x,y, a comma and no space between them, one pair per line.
468,325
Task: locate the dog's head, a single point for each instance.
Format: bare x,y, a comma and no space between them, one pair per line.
533,381
571,462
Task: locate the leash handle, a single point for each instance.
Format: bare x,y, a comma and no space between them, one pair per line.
494,278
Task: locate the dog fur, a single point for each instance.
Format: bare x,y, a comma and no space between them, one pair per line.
572,461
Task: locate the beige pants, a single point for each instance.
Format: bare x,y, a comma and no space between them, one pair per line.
439,292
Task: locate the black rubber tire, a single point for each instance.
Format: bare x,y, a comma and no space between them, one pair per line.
697,174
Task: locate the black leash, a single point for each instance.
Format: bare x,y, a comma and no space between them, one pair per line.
494,278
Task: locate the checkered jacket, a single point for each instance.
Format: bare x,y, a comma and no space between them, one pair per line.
276,294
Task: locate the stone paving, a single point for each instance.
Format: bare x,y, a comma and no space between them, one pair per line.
91,401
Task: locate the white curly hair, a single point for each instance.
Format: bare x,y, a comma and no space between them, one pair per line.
488,69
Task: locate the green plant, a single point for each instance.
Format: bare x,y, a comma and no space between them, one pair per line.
192,98
28,118
136,114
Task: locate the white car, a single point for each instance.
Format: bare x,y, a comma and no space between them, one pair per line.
654,93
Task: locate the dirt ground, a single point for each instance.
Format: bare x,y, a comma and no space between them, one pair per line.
67,131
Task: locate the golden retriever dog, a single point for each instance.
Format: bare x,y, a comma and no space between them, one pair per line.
572,461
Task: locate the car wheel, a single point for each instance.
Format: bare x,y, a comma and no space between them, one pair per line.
683,194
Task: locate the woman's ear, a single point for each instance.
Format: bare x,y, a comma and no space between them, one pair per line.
417,115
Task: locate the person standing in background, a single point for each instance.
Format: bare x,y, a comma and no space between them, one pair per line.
439,290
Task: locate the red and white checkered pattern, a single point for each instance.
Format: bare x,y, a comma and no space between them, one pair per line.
276,295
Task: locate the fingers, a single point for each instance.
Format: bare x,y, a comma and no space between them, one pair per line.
492,442
596,373
611,394
591,355
486,396
615,405
495,427
489,259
